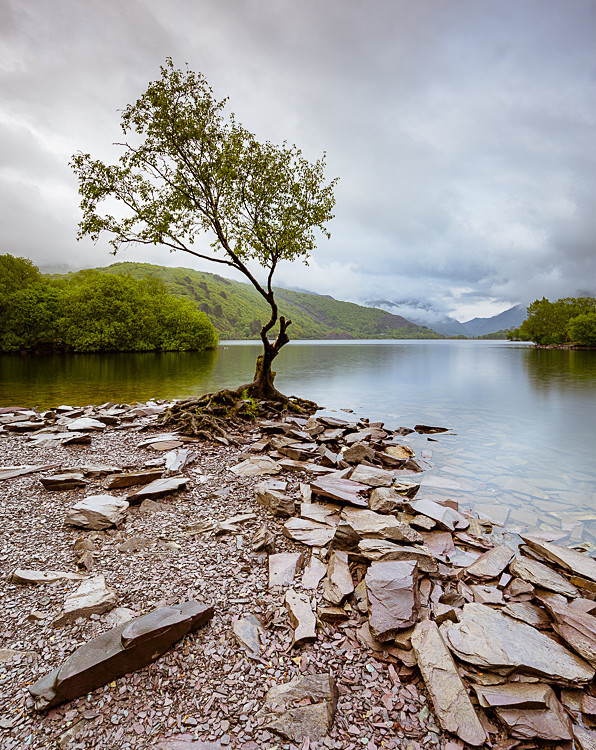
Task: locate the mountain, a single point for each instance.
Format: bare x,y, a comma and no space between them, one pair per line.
237,310
511,318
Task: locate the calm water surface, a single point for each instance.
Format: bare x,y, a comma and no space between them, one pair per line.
524,419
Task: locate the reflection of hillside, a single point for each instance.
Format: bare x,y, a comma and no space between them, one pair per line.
560,368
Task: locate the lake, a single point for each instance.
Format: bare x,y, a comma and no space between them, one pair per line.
522,442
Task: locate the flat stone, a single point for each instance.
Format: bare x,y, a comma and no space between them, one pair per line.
340,489
248,632
446,517
386,500
164,442
290,464
541,575
403,452
276,501
327,513
129,479
487,638
579,564
178,459
283,566
577,628
584,738
424,429
7,654
308,532
393,597
452,705
92,597
528,613
492,563
85,424
299,451
24,426
584,605
358,452
285,713
380,550
313,573
50,440
67,481
256,466
513,695
487,594
302,617
338,584
331,614
117,652
97,512
371,476
25,576
158,488
367,524
10,472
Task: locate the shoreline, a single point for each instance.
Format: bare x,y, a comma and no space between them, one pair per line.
183,546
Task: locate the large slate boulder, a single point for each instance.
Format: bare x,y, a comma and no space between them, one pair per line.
123,649
97,512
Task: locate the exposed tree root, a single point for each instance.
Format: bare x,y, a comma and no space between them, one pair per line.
224,415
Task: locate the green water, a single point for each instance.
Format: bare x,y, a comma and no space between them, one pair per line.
524,418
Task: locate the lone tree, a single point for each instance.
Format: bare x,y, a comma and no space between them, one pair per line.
189,178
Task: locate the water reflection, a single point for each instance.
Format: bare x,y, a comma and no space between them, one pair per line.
560,368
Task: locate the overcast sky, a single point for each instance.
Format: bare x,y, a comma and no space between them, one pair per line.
462,131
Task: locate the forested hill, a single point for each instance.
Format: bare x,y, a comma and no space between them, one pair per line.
237,310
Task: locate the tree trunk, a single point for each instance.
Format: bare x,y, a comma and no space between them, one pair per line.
262,386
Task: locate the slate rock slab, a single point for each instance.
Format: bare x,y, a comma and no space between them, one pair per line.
117,652
338,584
285,713
84,424
248,632
92,597
97,512
577,628
308,532
492,563
386,500
283,567
372,476
487,638
301,616
254,467
340,489
541,575
393,597
276,500
367,524
446,517
453,707
129,479
27,576
577,563
380,550
158,488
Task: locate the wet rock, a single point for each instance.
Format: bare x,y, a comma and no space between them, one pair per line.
283,566
367,524
129,479
380,550
158,488
446,517
577,563
248,632
313,573
492,563
121,650
541,575
92,597
386,500
285,711
276,500
302,617
67,481
340,489
393,597
424,429
338,584
453,707
358,452
488,638
25,576
372,476
97,512
256,466
308,532
529,711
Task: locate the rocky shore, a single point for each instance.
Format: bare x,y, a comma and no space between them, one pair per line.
294,592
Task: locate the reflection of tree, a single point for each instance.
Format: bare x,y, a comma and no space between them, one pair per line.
561,368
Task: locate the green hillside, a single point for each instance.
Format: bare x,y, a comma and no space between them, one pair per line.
237,310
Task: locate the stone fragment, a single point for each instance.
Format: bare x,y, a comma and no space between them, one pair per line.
85,561
289,464
263,539
50,440
386,500
254,467
513,695
92,597
528,613
70,480
361,597
10,472
584,605
158,488
287,712
308,532
25,576
579,564
393,597
299,451
178,459
302,617
358,452
541,575
487,594
164,442
277,501
283,566
577,628
97,512
248,632
372,476
338,584
487,638
85,424
492,563
134,544
129,479
517,588
313,573
453,707
117,652
446,517
584,738
327,513
340,489
366,524
24,426
380,550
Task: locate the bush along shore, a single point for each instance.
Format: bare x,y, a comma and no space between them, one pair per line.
284,588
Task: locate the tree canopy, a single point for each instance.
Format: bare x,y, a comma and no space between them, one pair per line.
191,179
567,320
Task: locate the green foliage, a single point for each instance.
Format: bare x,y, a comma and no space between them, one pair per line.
548,322
238,311
502,334
582,329
16,273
